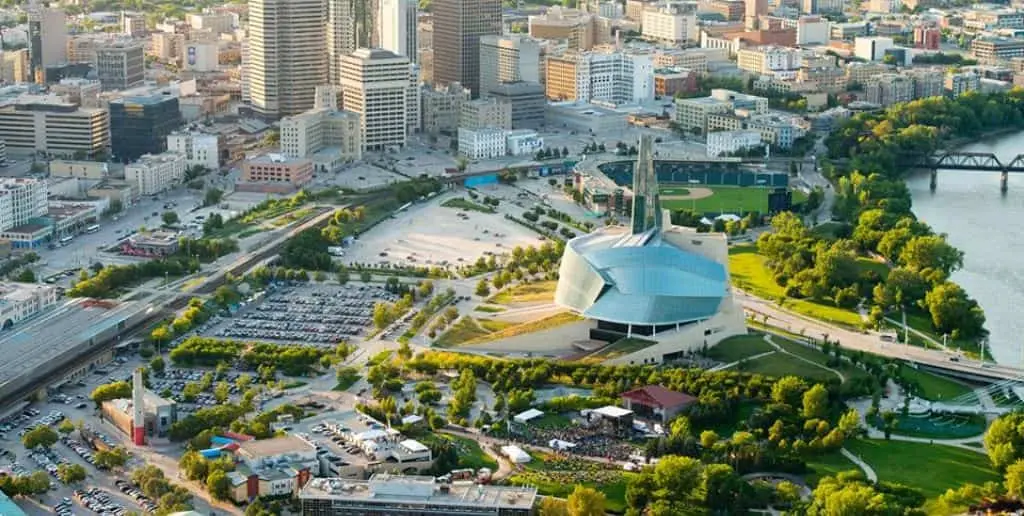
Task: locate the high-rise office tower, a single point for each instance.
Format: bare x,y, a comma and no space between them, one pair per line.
379,86
646,203
285,59
510,58
458,27
47,39
398,27
350,25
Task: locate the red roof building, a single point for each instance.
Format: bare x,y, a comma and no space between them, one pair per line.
656,402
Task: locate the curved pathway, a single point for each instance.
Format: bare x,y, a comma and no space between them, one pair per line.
869,472
778,348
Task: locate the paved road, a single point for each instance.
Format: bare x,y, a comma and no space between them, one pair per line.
869,341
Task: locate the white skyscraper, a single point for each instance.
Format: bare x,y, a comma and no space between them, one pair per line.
285,59
378,85
398,27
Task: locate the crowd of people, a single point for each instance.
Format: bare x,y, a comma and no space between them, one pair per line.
591,441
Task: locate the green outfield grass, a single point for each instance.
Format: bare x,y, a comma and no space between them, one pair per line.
726,199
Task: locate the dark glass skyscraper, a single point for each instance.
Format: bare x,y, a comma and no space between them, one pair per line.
140,125
458,25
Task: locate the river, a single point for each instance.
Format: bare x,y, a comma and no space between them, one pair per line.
989,228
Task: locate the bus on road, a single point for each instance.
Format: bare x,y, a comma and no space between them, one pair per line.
66,240
93,228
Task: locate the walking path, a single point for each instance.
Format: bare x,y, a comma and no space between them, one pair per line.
722,367
864,466
768,339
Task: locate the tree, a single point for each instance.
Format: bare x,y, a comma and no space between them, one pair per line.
170,218
849,494
25,276
157,366
113,458
482,289
194,466
551,506
222,392
787,390
1014,479
39,436
212,197
70,473
815,402
1004,440
219,485
953,312
585,501
66,427
461,163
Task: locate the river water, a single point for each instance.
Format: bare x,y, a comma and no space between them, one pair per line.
989,228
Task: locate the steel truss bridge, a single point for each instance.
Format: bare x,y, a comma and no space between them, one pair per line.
976,161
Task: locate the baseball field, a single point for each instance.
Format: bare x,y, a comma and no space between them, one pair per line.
719,199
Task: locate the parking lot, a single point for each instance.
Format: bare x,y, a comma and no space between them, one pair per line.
318,315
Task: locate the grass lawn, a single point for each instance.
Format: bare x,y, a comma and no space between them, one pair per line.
379,358
471,455
815,355
463,204
738,347
826,466
346,382
468,330
725,199
552,321
561,484
935,387
465,329
488,309
932,468
780,364
493,325
621,347
750,273
526,293
922,322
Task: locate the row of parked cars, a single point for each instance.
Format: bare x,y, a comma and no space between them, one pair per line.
17,419
99,501
82,450
52,418
47,460
64,508
144,501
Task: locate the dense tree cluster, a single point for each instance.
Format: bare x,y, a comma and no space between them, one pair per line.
108,281
1004,441
683,485
292,360
111,391
168,497
878,150
718,393
25,485
220,416
808,267
850,493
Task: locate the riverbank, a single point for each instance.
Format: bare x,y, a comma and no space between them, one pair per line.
967,207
